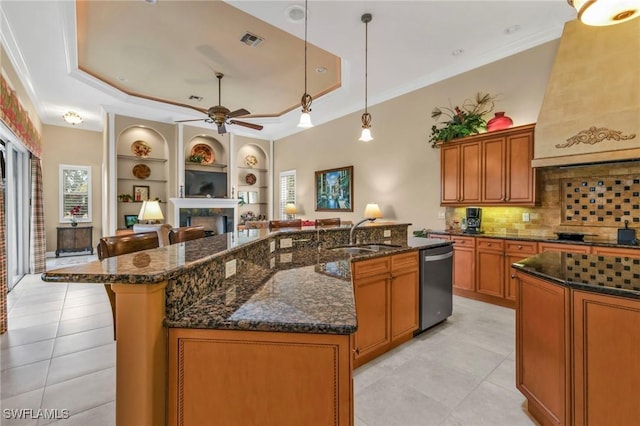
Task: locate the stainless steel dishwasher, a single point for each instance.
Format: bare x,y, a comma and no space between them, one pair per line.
436,285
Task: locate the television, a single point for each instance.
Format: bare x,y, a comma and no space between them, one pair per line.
201,184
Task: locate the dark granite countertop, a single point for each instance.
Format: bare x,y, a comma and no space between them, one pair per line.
306,288
526,237
613,275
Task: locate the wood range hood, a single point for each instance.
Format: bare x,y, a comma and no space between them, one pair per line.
591,108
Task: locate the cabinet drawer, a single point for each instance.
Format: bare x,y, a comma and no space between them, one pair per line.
489,244
440,237
366,268
517,247
572,248
405,260
463,242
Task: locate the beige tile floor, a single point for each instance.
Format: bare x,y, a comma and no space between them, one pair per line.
59,354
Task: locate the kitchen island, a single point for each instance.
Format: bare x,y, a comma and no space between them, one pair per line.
578,338
258,326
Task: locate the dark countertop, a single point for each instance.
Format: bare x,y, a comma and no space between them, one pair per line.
520,237
301,289
612,275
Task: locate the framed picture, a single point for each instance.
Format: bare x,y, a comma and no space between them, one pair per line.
334,190
140,193
243,196
253,197
130,220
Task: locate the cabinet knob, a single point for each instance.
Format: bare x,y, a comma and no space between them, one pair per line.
519,247
513,276
488,244
356,351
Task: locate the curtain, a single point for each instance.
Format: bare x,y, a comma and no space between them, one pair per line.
3,264
37,241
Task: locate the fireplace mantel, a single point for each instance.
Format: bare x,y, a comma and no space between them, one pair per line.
203,203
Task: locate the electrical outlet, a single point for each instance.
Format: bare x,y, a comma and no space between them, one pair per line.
440,215
386,233
272,246
526,217
286,243
230,268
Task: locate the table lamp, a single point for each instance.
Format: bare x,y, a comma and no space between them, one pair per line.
290,210
150,212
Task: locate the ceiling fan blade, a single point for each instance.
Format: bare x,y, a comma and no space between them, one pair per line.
238,113
193,119
222,129
245,124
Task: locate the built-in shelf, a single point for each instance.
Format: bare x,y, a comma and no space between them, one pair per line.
252,168
214,165
143,180
134,158
253,186
138,202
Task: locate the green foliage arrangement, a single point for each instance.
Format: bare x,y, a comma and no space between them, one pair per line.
196,158
460,121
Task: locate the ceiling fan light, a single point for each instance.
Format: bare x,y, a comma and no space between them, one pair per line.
602,13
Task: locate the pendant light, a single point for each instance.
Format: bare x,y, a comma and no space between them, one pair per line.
606,12
366,117
305,118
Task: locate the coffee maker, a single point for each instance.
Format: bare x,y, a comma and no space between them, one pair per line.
474,218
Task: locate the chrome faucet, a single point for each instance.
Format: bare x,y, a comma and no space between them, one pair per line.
353,228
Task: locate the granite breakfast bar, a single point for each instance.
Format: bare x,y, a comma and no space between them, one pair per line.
264,319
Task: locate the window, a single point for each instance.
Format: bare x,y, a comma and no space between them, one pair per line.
287,191
75,193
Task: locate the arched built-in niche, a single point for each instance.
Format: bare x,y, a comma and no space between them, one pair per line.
252,178
142,155
208,176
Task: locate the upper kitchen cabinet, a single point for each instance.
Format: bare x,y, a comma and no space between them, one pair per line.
489,169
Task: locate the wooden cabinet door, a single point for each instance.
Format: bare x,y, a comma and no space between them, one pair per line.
543,348
490,266
470,172
450,174
464,263
606,341
405,303
493,170
514,251
372,309
521,177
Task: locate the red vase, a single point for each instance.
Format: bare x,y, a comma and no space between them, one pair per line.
499,122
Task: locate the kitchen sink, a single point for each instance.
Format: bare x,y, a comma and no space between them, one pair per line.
363,248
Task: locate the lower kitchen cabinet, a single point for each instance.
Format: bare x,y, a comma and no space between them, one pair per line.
231,377
387,302
614,251
463,264
514,251
606,370
543,349
490,266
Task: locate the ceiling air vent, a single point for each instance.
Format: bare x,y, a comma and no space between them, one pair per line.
251,39
195,98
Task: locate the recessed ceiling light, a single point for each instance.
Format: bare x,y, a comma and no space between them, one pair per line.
512,29
294,13
321,70
457,52
151,1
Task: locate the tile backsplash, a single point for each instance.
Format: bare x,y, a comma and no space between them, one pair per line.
619,184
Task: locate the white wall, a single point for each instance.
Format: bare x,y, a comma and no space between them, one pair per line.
398,169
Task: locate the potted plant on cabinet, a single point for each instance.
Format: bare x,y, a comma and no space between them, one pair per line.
460,121
125,198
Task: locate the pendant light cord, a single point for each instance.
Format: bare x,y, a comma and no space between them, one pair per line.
366,64
306,13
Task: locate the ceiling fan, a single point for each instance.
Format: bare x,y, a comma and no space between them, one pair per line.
221,115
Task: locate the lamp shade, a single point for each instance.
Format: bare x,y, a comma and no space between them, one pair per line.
366,136
290,208
305,121
150,210
606,12
372,211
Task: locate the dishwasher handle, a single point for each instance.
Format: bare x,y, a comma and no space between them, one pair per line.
438,257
